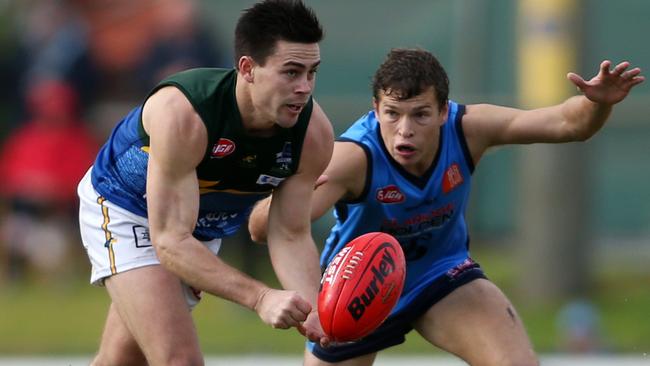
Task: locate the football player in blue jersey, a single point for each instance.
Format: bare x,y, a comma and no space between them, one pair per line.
184,169
405,168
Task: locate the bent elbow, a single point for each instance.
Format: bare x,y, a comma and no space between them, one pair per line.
258,235
584,135
165,247
580,134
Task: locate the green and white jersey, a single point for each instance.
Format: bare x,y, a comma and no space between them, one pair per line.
236,171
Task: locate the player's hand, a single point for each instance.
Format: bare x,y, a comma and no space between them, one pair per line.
609,86
282,309
312,329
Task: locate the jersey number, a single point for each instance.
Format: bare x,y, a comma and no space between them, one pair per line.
413,250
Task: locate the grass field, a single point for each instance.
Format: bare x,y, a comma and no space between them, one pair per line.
44,318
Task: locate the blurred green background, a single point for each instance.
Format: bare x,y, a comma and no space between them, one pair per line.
595,253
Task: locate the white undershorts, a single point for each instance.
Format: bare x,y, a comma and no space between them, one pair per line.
117,240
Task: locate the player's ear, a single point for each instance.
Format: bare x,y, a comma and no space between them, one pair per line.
246,67
444,112
375,105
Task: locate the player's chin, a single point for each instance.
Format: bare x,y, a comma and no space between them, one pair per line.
286,122
287,118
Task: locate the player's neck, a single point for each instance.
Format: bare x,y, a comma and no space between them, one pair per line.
254,123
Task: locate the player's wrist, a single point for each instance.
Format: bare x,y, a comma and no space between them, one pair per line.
260,298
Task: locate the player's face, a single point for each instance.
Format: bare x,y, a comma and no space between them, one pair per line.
410,129
284,84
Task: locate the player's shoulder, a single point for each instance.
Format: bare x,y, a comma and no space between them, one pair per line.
319,140
319,124
169,109
168,100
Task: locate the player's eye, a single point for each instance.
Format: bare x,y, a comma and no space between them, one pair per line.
390,113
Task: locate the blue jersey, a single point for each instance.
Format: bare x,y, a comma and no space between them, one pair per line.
425,214
237,169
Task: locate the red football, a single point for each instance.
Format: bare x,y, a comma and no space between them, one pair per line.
360,286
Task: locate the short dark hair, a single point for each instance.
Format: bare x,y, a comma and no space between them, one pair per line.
407,72
261,26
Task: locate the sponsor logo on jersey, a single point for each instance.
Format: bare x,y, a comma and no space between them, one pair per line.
457,271
283,160
390,194
222,148
216,219
419,223
248,161
452,179
269,179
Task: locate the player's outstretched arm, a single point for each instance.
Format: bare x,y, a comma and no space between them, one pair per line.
576,119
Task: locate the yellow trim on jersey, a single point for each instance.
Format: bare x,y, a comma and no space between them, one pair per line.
208,183
145,149
108,234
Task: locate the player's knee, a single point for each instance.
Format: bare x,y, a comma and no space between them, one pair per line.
125,359
188,358
186,361
523,358
182,357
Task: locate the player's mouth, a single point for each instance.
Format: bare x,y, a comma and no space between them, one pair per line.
295,108
405,150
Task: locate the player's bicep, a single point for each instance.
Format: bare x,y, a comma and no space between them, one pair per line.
177,143
346,175
290,209
290,212
487,125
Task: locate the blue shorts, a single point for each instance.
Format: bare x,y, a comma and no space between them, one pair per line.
392,331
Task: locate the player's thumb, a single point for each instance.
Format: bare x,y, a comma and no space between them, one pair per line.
303,306
577,80
301,329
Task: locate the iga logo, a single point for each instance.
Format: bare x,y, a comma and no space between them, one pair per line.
222,148
390,194
453,178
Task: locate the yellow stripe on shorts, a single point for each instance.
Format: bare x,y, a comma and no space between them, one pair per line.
108,234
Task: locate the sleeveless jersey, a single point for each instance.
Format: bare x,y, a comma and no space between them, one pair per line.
236,171
425,214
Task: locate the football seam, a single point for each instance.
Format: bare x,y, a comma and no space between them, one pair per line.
338,298
374,254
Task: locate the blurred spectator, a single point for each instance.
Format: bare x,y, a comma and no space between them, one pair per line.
136,43
181,42
41,162
120,35
579,328
52,44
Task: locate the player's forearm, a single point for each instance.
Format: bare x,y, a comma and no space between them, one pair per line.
584,118
258,221
296,264
197,266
